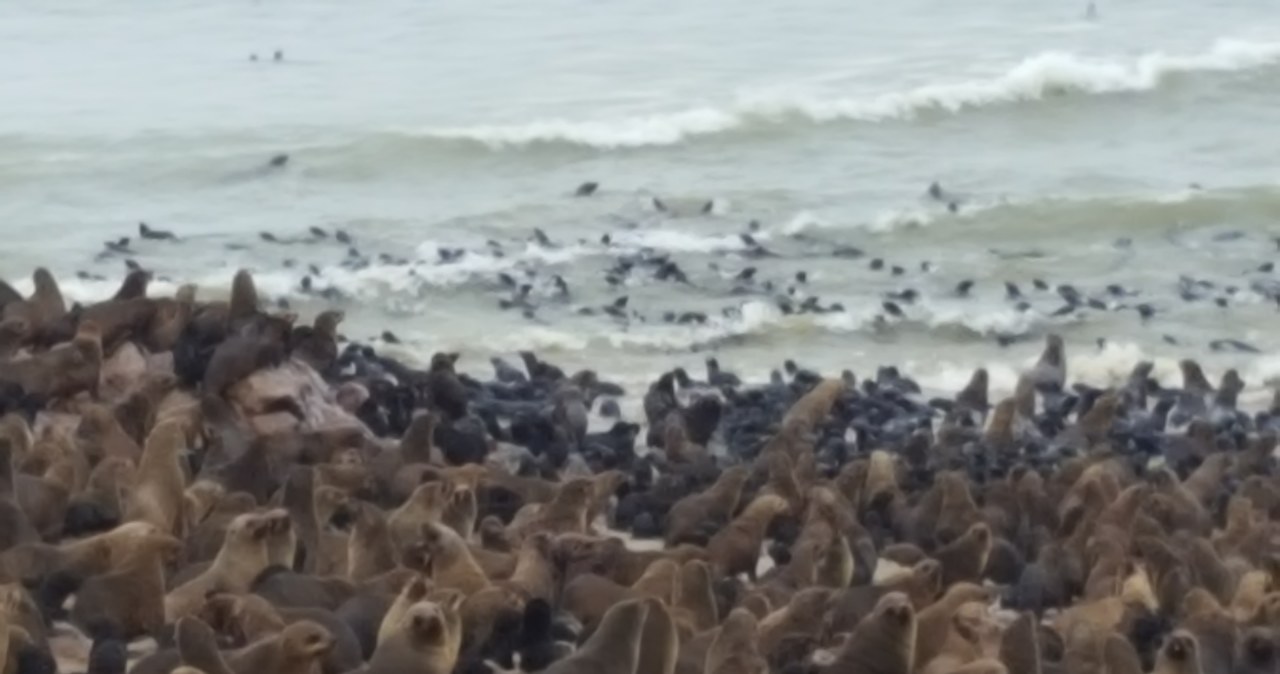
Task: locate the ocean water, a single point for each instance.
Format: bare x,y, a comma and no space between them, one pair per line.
1132,145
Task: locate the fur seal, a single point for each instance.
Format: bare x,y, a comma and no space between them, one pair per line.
450,561
297,649
64,370
965,558
659,640
244,555
736,549
710,508
130,598
317,345
733,648
1180,655
15,527
198,647
148,233
883,643
424,639
249,618
159,486
45,305
614,648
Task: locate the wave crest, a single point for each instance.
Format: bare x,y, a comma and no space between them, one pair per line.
1036,78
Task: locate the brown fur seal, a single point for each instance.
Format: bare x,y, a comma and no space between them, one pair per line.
248,618
370,550
158,492
424,640
245,553
297,649
614,648
973,397
100,435
170,319
713,507
257,346
121,320
921,583
881,484
15,527
736,549
565,514
973,636
605,486
1250,592
675,440
13,331
936,621
1050,372
734,648
813,407
1180,655
413,591
425,506
955,511
198,647
93,555
450,561
883,643
535,575
64,370
802,615
1020,646
243,302
318,345
45,304
1120,656
589,596
661,580
461,511
131,596
697,601
999,434
659,640
965,558
1193,379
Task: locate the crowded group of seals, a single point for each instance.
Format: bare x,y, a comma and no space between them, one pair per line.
212,487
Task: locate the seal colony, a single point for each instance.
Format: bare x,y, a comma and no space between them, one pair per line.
214,487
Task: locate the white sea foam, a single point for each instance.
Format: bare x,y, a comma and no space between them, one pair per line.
681,241
1038,77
